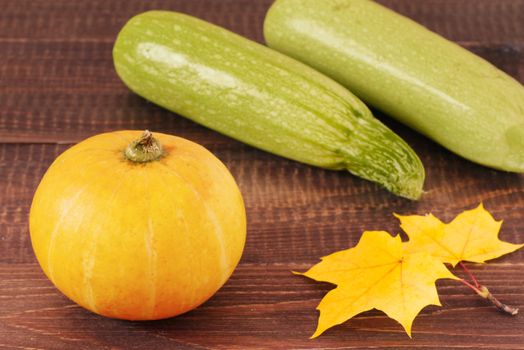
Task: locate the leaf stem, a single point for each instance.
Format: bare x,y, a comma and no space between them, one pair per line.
469,285
484,293
477,284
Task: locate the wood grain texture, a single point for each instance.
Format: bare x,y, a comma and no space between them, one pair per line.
58,86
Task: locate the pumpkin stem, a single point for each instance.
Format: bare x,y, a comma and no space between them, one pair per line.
145,149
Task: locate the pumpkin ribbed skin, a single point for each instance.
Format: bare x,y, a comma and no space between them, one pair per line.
137,241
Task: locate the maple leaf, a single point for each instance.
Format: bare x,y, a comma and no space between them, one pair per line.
377,274
471,236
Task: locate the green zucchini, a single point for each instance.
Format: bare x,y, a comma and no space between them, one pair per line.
396,65
261,97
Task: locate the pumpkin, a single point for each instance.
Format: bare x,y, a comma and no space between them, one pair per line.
138,227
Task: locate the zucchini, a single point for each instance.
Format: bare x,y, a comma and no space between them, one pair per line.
396,65
261,97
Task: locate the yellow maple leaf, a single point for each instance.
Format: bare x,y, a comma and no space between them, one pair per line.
471,236
377,274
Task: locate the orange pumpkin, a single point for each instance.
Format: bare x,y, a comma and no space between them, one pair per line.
138,230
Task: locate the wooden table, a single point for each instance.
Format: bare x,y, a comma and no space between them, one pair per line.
58,86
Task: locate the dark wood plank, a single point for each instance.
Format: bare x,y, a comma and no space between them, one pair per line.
261,307
66,92
57,87
296,213
495,21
